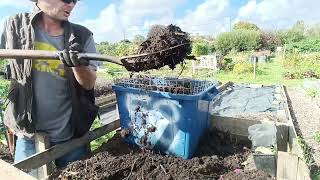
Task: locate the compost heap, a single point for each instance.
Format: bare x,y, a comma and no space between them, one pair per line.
219,156
160,39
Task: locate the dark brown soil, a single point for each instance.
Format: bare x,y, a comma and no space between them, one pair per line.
216,156
5,154
102,87
245,175
102,91
161,38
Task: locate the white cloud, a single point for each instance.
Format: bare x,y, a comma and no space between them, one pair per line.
126,18
279,13
26,4
131,17
79,10
106,26
248,9
210,17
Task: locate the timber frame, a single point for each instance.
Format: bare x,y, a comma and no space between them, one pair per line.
290,160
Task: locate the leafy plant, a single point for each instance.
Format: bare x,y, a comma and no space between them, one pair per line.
312,92
317,136
242,67
103,139
200,48
307,151
4,88
226,64
305,45
300,65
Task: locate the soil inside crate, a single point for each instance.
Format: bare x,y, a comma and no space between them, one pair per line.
218,156
102,88
5,154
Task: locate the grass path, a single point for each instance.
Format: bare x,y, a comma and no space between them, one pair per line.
270,73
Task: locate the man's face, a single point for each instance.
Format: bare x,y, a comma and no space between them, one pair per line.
56,9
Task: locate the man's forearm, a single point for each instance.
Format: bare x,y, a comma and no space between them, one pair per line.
85,76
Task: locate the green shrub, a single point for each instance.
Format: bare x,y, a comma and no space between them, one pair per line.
302,65
226,64
242,67
305,45
239,40
200,48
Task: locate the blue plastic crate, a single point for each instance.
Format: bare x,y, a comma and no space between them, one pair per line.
165,114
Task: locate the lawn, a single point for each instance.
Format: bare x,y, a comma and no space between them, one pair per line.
270,73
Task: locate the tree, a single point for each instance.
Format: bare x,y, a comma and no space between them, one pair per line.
313,31
295,34
138,39
269,40
106,48
238,40
242,25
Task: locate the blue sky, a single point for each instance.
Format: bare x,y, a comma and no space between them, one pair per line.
113,20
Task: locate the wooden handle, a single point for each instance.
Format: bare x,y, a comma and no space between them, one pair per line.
27,54
41,54
100,57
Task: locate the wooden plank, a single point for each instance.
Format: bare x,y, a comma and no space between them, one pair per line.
103,100
42,143
39,159
282,136
292,132
303,171
293,142
225,86
7,171
106,106
287,166
236,126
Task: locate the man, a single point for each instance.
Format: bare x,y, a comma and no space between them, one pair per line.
51,96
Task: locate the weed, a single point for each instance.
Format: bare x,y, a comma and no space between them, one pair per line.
307,152
317,136
312,92
103,139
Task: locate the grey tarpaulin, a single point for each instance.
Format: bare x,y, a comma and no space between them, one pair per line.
239,99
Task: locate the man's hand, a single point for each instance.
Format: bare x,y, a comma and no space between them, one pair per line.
70,58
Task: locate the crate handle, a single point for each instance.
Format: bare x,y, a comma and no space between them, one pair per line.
211,93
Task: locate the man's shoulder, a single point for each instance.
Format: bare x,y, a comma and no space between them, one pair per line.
81,28
20,16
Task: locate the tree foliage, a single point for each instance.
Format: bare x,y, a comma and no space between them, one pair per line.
295,34
122,48
239,40
270,40
242,25
138,39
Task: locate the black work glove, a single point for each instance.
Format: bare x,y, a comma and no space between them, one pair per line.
70,58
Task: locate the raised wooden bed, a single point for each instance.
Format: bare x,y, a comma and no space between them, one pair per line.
290,159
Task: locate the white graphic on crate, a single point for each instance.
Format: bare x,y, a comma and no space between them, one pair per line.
163,114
